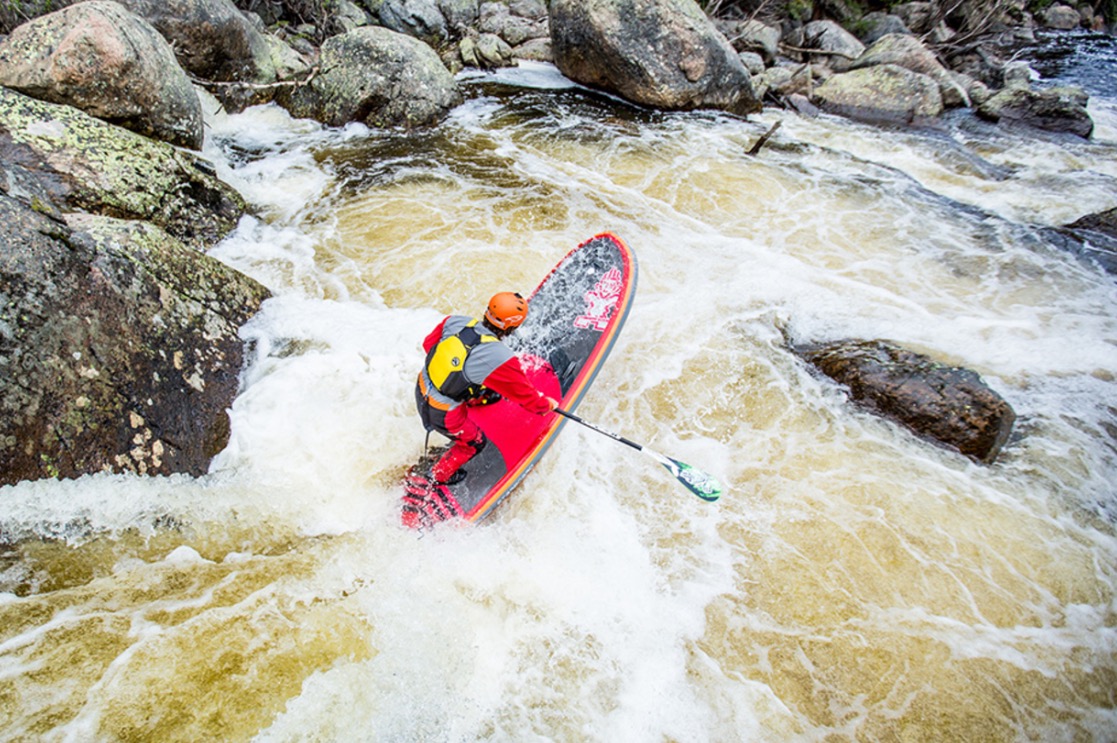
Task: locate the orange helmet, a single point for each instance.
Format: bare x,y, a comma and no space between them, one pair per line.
507,310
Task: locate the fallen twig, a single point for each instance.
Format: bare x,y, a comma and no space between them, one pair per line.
764,138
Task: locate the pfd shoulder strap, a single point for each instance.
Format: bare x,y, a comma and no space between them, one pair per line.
446,362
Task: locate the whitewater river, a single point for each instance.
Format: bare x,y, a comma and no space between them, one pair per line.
854,583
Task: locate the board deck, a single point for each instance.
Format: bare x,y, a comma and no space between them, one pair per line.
575,316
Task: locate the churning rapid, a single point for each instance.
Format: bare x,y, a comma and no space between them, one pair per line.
853,583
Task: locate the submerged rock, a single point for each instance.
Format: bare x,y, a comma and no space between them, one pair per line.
112,64
1093,237
946,404
118,347
660,53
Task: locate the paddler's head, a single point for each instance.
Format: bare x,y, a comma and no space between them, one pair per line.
506,312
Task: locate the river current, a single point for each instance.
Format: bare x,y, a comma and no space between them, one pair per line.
853,583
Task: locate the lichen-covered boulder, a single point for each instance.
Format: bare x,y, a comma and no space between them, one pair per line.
947,404
378,77
664,54
108,62
910,53
119,347
885,94
82,163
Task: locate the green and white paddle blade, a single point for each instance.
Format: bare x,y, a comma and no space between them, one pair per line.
695,480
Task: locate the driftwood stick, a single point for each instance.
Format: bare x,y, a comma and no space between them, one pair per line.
257,86
764,138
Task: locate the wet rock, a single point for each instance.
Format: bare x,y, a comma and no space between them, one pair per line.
660,53
1093,237
118,347
378,77
1103,222
108,62
947,404
1051,109
82,163
885,94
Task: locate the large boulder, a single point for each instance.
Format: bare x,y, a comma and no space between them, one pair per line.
83,163
910,53
947,404
1051,109
885,94
213,39
660,53
376,76
100,58
118,347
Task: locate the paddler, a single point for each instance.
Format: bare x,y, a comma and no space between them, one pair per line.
467,364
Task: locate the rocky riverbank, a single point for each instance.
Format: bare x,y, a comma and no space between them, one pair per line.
118,335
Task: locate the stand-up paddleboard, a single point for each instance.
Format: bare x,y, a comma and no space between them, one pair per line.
574,318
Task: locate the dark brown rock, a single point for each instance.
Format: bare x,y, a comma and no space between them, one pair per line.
947,404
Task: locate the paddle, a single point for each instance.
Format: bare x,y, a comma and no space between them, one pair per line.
694,480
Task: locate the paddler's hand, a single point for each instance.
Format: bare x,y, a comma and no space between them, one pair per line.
552,403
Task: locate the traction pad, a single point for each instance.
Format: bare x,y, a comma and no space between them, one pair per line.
425,502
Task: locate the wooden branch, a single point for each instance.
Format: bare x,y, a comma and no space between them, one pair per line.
764,138
257,86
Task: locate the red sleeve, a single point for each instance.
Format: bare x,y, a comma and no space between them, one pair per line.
435,336
511,383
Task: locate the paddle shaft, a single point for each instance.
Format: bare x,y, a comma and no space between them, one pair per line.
696,481
610,434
